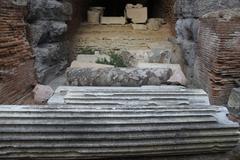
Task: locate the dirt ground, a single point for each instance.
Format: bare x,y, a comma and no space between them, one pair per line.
118,37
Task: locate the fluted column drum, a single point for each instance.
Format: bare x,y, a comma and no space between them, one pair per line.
86,132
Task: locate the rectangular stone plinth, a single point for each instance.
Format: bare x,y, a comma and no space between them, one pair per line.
137,15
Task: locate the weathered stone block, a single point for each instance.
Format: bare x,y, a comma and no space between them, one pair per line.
46,31
187,29
93,16
77,64
49,10
99,9
164,95
115,132
137,15
177,76
117,76
234,101
42,93
113,20
139,27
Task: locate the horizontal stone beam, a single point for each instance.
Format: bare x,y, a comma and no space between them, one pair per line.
85,132
117,76
145,95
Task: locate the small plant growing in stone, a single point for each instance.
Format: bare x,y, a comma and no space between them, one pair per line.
115,60
87,51
102,61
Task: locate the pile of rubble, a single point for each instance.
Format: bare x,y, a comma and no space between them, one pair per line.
136,14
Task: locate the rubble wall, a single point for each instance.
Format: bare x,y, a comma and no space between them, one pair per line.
47,27
219,54
16,60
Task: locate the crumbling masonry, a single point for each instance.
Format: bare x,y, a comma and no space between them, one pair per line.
16,59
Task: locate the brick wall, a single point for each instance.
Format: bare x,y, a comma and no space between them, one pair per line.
219,54
16,61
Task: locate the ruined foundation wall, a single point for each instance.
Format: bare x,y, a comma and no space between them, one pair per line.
188,13
16,61
219,54
47,27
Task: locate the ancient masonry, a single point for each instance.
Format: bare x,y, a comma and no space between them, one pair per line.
169,13
148,96
16,59
188,13
219,54
88,132
47,27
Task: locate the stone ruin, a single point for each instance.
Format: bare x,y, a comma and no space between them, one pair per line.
125,119
137,14
16,57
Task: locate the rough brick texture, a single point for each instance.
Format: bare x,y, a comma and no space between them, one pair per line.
219,54
16,61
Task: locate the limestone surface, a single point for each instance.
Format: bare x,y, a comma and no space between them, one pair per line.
117,76
50,59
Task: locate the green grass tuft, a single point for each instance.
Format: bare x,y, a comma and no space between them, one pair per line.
87,51
115,60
